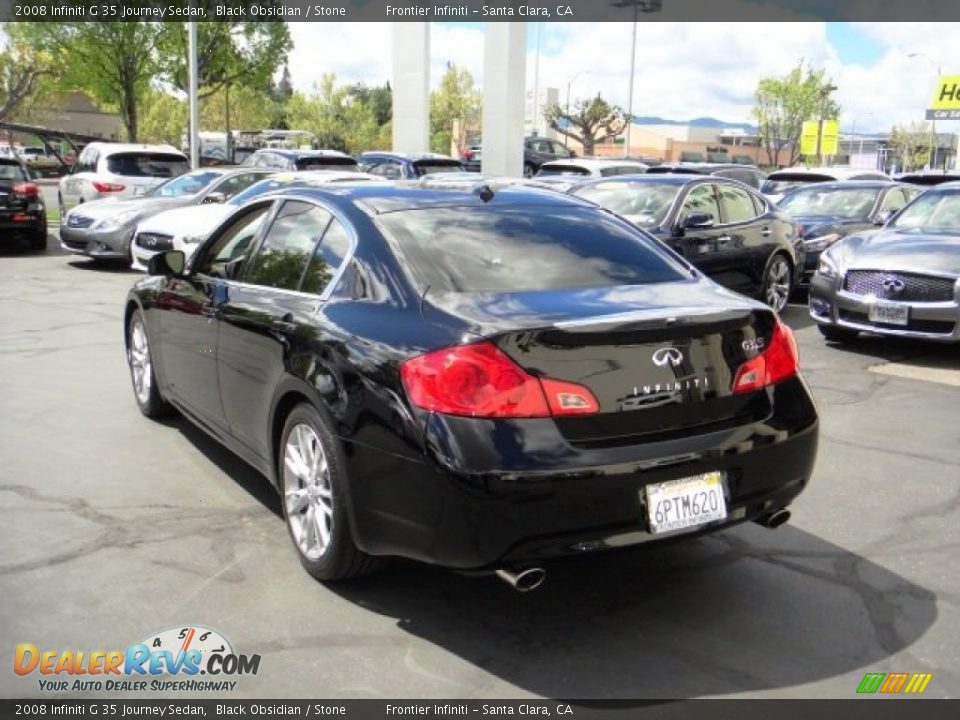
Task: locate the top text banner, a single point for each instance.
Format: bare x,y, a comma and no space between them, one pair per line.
475,11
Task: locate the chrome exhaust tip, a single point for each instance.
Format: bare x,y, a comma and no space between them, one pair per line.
523,580
774,519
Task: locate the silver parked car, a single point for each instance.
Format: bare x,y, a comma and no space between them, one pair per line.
103,229
903,280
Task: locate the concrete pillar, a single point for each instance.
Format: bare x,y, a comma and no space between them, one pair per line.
504,84
411,87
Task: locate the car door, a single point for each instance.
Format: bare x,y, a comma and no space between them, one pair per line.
892,202
72,186
189,310
748,241
699,244
262,319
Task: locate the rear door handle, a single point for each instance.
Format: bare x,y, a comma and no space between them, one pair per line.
284,324
723,240
766,232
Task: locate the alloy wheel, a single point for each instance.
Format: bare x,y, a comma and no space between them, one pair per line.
777,290
307,492
138,357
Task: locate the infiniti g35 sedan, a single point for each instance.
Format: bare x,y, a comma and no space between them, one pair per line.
903,280
723,227
476,379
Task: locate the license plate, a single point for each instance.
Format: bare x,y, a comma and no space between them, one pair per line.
139,191
684,503
890,313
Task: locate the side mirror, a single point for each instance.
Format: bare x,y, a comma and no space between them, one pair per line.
168,264
697,220
573,154
214,197
884,217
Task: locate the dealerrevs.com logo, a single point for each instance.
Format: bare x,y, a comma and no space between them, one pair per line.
170,660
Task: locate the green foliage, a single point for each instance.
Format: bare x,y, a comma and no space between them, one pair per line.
163,118
454,106
25,75
341,119
781,104
911,144
250,108
587,122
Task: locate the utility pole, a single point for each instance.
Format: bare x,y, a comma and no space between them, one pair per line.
192,94
633,60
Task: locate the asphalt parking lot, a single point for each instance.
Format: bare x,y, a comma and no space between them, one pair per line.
114,527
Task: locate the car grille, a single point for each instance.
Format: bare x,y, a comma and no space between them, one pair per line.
79,221
154,241
886,286
944,327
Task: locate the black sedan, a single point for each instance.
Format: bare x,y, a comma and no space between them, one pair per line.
723,227
22,213
472,378
830,211
903,280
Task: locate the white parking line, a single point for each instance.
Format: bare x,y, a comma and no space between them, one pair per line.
944,376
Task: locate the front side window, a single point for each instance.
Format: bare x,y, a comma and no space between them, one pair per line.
185,185
227,251
237,183
702,199
288,246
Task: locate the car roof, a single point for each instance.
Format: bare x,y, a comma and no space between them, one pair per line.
287,152
590,163
379,198
109,148
705,168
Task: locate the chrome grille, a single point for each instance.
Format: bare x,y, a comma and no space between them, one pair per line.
908,287
154,241
79,221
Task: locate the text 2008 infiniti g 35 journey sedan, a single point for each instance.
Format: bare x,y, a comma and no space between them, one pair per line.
475,379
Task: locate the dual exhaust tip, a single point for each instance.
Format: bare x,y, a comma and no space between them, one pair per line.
530,579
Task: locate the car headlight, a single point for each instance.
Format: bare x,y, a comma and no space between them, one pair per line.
827,267
113,222
821,242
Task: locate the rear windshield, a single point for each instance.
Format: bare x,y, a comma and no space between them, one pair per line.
522,249
779,184
664,169
325,163
435,166
11,171
928,180
546,170
147,164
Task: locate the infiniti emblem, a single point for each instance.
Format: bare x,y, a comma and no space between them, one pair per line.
667,355
893,284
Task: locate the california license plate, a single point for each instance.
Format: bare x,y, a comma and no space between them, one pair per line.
684,503
889,313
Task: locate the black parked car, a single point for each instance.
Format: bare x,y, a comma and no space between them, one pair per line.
536,152
282,159
400,166
476,379
722,227
831,210
22,213
747,174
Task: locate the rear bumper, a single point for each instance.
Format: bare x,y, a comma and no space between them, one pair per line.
113,245
520,497
11,229
939,321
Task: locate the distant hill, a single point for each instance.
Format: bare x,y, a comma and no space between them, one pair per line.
706,122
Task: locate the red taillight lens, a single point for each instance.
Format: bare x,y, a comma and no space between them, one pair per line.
106,187
467,154
481,381
27,189
778,362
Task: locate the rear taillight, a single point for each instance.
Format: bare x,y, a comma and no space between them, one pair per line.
467,155
479,380
106,187
775,364
26,189
800,230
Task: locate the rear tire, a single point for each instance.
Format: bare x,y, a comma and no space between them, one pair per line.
38,242
837,334
313,479
777,282
140,361
528,170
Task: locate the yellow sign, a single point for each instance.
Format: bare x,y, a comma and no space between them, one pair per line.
946,96
830,137
808,137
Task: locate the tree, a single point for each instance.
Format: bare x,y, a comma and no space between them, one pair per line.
280,93
112,61
340,119
588,122
781,104
378,98
453,106
22,72
163,118
911,145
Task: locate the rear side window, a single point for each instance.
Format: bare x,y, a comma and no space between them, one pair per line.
142,164
523,249
435,166
288,246
326,163
736,204
327,259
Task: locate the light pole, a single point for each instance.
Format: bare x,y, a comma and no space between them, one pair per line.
192,95
647,6
536,82
932,155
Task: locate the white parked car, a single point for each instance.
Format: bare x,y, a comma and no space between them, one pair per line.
564,174
118,170
780,182
186,227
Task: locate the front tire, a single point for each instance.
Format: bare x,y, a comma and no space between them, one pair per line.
837,334
528,170
777,282
313,479
140,361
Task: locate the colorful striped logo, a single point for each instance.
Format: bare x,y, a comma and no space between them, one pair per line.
892,683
